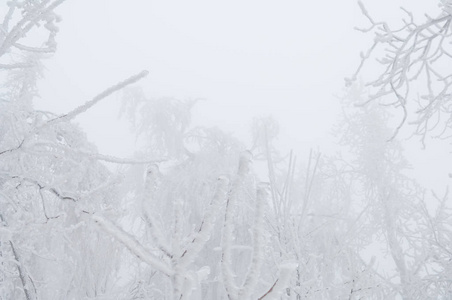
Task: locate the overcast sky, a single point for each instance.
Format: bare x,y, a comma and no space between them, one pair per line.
245,58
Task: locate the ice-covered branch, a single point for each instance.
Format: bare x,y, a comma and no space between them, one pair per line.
203,235
42,186
152,175
95,100
228,227
29,295
133,245
252,277
14,66
13,149
34,49
156,234
92,155
413,66
182,280
28,21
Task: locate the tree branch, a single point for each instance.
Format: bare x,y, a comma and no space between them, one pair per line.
99,97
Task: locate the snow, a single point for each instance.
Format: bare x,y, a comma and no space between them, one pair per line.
170,226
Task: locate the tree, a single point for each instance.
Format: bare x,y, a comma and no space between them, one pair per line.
414,77
194,158
396,206
190,217
49,175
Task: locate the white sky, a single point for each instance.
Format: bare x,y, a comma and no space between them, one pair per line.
245,58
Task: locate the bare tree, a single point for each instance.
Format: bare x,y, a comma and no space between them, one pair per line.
415,76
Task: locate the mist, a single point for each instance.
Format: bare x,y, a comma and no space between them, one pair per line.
239,150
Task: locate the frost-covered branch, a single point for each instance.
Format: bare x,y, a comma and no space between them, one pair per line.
91,155
203,234
29,295
24,279
12,149
182,280
81,109
31,18
133,245
228,227
14,66
156,234
414,61
44,187
252,277
34,49
151,185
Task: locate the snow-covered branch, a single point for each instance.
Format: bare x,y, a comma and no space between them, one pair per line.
133,245
31,18
203,234
252,277
226,240
413,67
81,109
92,155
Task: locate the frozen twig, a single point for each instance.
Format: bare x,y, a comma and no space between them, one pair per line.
413,66
30,20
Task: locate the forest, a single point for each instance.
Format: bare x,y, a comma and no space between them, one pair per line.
196,214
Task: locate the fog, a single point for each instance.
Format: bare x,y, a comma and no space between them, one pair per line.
193,214
240,59
243,60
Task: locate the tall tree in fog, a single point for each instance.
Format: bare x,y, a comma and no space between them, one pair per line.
217,256
195,215
397,214
414,76
49,175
